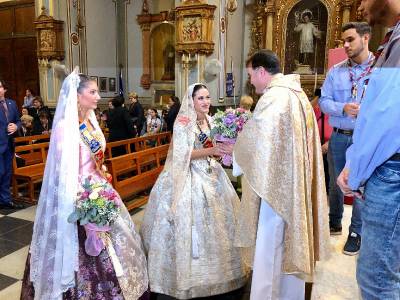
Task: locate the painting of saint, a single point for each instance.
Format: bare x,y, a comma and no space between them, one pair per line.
305,41
308,32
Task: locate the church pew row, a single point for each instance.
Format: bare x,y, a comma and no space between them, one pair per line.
31,172
138,143
144,166
137,172
32,139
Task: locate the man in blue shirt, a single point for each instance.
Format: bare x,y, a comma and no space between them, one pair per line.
373,161
342,92
9,123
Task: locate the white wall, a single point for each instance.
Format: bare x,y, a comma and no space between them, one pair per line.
134,50
101,37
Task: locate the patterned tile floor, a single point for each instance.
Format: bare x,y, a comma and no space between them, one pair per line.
335,279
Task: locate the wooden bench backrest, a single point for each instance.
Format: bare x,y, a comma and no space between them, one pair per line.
32,154
28,140
140,143
146,166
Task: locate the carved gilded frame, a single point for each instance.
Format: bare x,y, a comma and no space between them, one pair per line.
283,9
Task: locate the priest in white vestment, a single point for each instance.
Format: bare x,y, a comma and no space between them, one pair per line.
283,224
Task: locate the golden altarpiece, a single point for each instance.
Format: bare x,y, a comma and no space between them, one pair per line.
282,26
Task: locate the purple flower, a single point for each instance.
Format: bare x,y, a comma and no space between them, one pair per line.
229,119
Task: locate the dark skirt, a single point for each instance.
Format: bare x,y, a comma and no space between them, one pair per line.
95,279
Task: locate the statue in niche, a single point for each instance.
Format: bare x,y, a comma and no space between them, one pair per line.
169,62
308,32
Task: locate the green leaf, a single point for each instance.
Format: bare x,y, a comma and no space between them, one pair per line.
74,217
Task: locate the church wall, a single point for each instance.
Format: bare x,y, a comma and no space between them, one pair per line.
160,5
232,50
134,55
101,39
247,22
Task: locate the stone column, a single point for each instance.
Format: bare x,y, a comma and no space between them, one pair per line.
270,11
347,4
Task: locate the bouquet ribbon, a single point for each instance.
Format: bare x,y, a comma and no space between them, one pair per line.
95,243
226,158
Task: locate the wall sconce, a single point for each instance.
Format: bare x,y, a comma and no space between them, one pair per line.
189,60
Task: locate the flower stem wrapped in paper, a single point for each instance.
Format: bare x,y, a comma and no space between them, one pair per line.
227,125
97,207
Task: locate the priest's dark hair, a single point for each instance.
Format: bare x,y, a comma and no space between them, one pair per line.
266,59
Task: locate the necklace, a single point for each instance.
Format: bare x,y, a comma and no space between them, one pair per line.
206,141
354,81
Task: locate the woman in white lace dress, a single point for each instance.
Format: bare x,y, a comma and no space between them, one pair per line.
189,223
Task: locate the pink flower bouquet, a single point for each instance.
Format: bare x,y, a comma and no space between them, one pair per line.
227,125
97,207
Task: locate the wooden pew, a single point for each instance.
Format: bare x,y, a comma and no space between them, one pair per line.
28,140
136,172
139,143
32,173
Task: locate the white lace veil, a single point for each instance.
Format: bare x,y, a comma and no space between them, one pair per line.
54,247
178,159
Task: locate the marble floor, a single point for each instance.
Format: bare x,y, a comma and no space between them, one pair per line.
335,278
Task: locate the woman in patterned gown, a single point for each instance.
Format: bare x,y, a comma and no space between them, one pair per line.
189,223
58,266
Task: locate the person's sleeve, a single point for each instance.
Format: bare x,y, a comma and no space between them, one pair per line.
236,170
16,113
376,137
128,122
327,101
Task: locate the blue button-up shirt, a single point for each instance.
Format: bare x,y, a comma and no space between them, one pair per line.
336,92
377,133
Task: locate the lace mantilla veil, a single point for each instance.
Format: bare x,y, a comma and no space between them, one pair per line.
54,247
178,159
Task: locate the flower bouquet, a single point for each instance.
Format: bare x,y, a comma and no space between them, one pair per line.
227,125
97,207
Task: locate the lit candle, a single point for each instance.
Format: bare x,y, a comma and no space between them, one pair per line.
315,81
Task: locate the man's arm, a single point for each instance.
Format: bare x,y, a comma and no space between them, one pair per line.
376,136
327,101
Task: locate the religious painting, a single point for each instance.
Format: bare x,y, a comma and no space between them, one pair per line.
47,40
163,52
192,29
306,38
111,84
103,84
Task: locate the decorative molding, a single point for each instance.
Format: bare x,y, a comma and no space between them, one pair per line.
194,28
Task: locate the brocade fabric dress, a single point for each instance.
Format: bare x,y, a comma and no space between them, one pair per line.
96,278
190,248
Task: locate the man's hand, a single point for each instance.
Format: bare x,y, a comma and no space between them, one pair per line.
342,182
11,128
351,109
324,148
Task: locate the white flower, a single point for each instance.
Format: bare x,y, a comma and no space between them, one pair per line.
97,190
93,195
